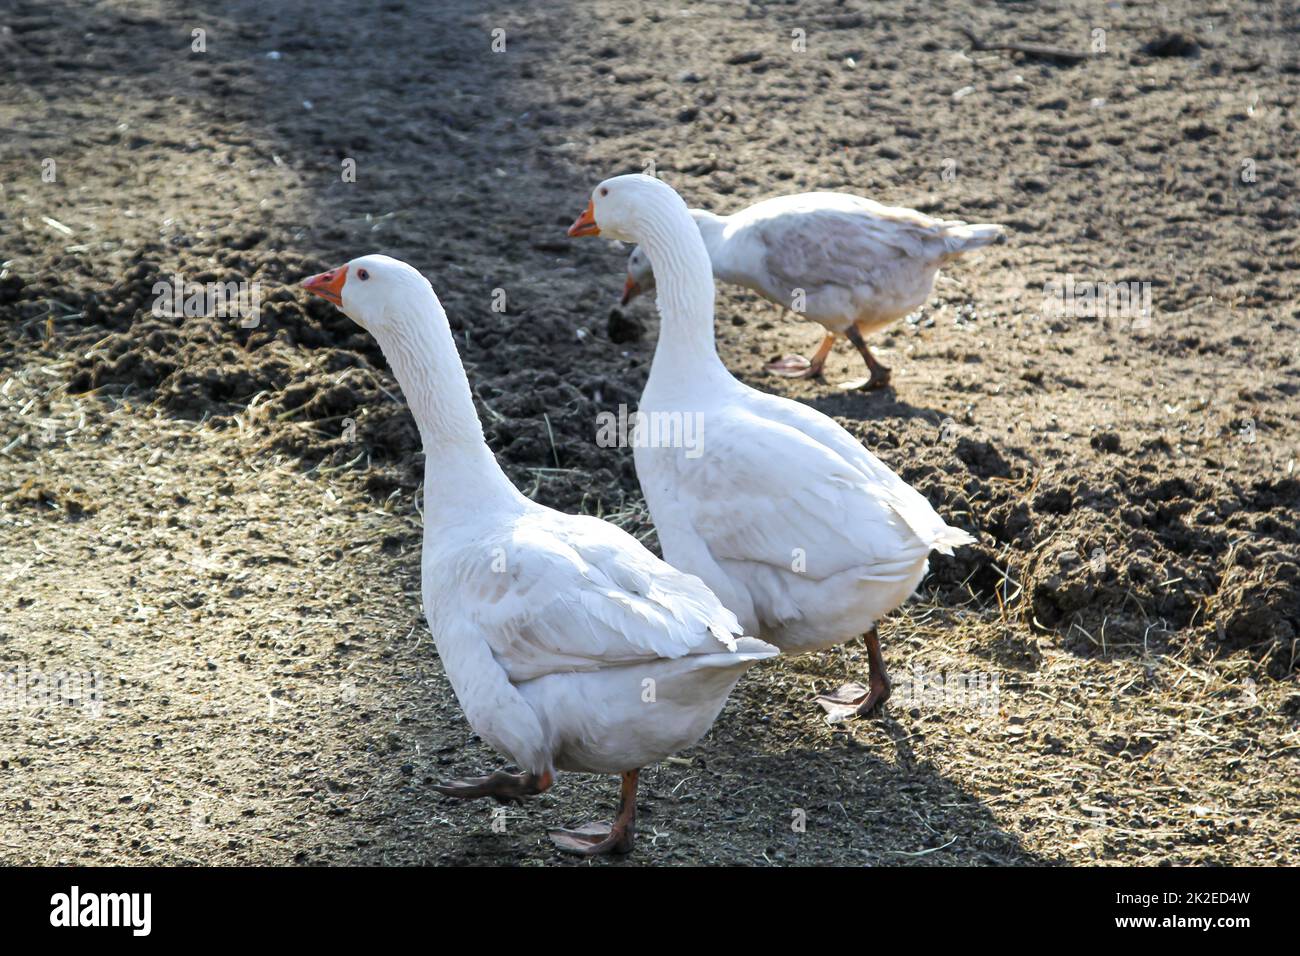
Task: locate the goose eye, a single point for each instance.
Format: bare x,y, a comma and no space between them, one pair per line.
363,275
604,191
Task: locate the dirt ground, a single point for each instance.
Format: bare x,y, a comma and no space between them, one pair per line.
223,522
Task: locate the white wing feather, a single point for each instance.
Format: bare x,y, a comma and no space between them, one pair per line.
773,490
824,239
575,593
883,484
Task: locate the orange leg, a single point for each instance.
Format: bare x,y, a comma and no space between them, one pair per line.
854,700
796,366
879,377
596,838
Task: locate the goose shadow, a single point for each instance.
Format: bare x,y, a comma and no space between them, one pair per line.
869,811
883,404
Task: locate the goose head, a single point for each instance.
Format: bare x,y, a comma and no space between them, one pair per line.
623,207
631,208
640,276
376,292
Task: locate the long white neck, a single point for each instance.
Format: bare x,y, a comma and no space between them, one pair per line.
460,470
686,352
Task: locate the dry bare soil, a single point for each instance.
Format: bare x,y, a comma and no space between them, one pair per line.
223,521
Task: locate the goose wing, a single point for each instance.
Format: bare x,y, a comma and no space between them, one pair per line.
573,593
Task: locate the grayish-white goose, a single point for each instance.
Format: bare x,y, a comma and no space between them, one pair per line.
848,263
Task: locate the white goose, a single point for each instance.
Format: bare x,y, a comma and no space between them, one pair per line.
848,263
568,644
796,527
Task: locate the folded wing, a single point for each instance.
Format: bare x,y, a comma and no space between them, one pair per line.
569,593
770,494
833,239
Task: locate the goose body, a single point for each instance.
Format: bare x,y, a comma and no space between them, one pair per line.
799,529
554,628
803,533
848,263
569,645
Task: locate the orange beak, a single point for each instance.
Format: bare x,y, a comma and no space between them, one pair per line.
630,291
585,225
328,285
